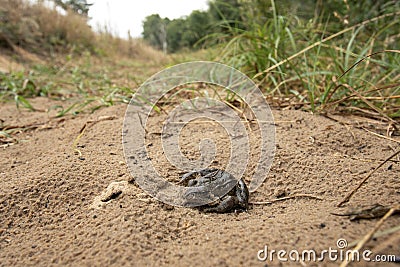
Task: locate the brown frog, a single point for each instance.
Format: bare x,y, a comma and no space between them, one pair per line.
235,200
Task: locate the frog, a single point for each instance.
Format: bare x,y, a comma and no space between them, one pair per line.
237,199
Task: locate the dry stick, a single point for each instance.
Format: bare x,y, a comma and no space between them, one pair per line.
366,92
382,97
368,236
141,123
324,40
368,103
83,129
347,198
381,136
367,113
241,113
364,159
386,243
75,143
210,121
285,198
378,234
30,126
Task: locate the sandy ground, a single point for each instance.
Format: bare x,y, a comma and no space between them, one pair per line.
59,208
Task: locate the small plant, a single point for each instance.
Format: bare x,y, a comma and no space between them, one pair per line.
18,86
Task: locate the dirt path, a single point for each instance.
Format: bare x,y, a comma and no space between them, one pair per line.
47,194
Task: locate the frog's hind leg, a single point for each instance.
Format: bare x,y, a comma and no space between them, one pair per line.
187,176
225,205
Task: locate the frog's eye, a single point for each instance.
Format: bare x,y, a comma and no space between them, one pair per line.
191,196
192,183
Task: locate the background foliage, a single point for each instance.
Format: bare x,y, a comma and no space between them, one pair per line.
316,55
224,15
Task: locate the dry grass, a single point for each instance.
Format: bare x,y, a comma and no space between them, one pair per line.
45,52
111,46
40,29
45,31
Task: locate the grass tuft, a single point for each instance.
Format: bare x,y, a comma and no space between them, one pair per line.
354,69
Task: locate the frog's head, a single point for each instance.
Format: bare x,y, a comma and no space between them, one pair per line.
242,193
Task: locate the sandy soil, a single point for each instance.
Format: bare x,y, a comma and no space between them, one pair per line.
59,208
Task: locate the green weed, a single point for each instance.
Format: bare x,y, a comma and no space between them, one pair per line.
355,68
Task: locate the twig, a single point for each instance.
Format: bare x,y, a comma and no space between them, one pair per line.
210,121
368,236
75,143
141,122
380,112
378,234
366,92
285,198
82,131
30,126
382,136
347,198
364,159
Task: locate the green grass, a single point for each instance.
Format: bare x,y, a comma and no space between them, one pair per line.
81,84
354,67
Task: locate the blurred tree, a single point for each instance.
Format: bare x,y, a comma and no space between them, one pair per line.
229,18
175,30
80,7
226,13
197,26
155,31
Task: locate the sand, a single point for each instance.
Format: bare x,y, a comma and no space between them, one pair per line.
58,208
